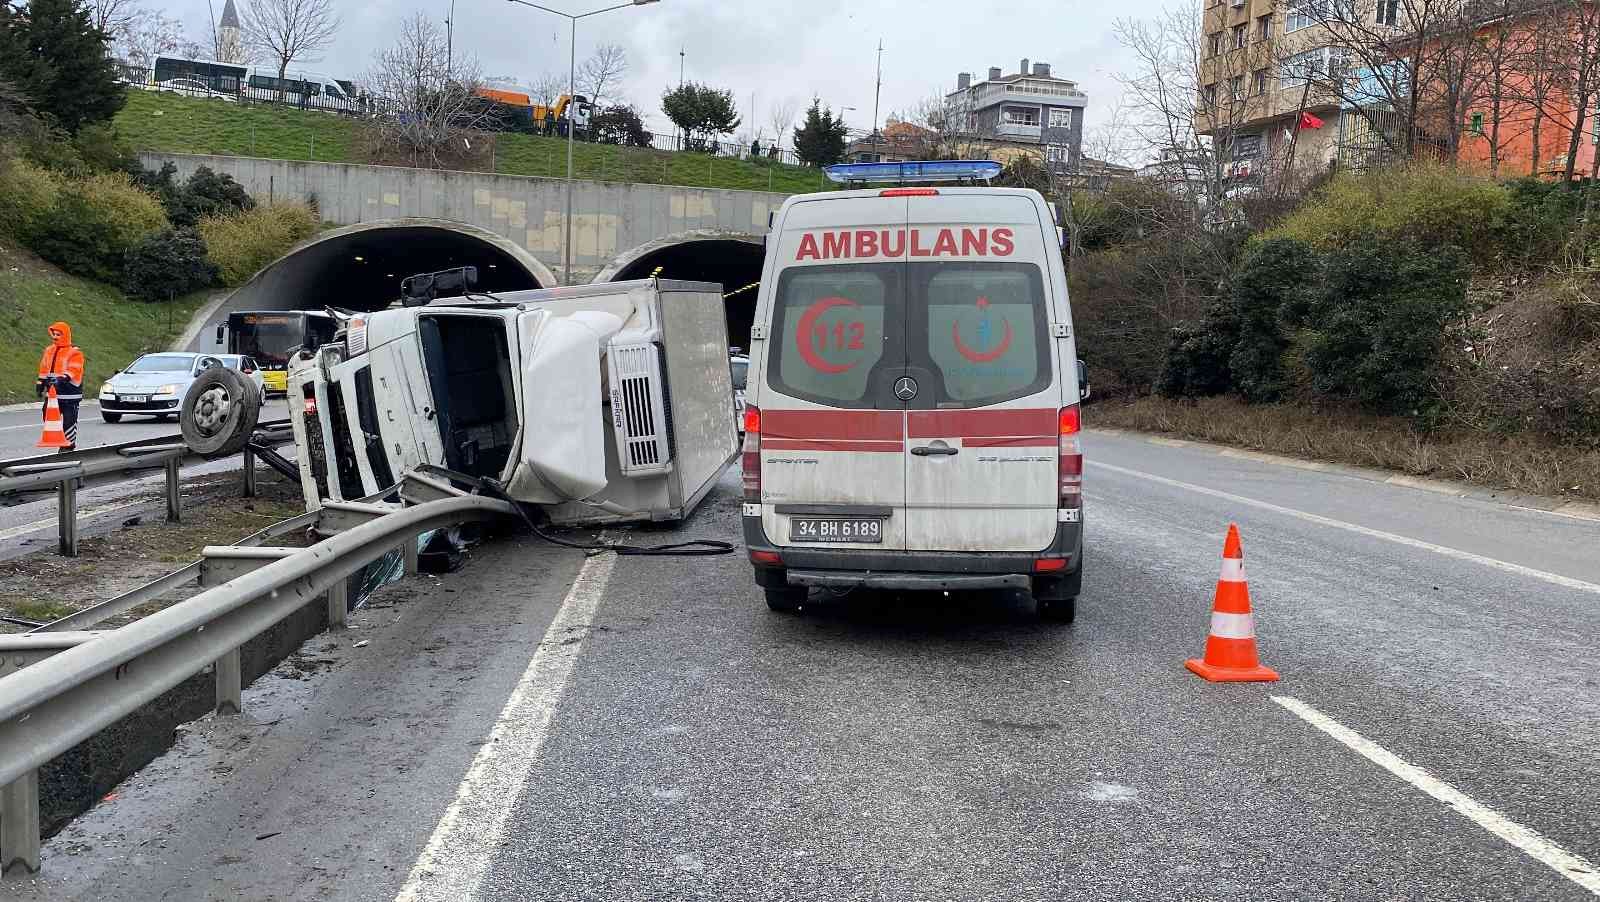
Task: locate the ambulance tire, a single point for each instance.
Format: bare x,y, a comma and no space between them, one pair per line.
219,413
785,599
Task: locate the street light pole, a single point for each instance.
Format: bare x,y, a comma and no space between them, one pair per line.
572,93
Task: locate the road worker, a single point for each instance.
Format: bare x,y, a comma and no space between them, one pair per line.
62,367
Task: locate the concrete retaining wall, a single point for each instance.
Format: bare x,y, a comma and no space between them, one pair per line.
609,218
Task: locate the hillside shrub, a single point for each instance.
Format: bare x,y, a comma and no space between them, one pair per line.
27,194
167,265
242,243
1429,204
205,193
1374,332
94,223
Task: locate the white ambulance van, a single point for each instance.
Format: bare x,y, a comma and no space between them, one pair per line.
911,418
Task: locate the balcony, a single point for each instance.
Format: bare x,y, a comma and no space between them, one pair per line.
1018,131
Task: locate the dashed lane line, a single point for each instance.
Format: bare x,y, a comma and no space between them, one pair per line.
1494,563
1526,840
457,856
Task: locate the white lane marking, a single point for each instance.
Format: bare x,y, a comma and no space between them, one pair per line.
53,522
1528,841
1494,563
457,856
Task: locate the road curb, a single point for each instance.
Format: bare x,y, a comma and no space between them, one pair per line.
1560,507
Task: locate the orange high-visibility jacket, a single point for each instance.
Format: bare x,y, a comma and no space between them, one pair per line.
63,358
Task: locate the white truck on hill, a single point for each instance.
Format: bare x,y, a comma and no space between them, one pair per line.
599,404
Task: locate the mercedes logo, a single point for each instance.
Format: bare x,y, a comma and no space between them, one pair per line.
905,388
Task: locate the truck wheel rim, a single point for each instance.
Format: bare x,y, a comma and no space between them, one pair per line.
211,411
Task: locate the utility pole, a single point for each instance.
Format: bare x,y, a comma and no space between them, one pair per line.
450,41
877,93
681,135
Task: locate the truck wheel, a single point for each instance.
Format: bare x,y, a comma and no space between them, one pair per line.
785,599
219,413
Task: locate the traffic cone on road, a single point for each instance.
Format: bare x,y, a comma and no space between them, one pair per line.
1231,646
54,436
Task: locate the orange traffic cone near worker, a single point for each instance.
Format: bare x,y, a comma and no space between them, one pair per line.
54,436
1231,646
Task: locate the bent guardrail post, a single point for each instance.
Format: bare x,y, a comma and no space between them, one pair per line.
67,516
174,484
218,565
249,472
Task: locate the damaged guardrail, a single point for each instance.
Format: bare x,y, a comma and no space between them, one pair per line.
72,683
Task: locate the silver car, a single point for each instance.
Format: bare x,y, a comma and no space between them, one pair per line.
154,384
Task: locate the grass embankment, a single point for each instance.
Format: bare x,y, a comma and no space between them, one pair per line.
111,329
1518,463
176,124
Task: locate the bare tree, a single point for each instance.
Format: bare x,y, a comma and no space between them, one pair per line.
288,31
425,108
115,17
781,117
153,34
602,73
1545,75
547,89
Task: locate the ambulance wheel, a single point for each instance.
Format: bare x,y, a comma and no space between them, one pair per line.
785,599
219,413
111,417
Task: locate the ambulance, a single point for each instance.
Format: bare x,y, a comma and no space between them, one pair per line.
911,415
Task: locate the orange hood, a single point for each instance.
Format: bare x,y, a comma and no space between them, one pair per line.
65,340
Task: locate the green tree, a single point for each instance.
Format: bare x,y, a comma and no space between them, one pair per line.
54,55
820,140
619,124
703,112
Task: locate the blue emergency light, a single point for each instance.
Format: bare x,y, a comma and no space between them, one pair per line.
914,171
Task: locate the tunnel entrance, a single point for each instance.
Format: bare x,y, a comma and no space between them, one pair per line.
735,262
360,268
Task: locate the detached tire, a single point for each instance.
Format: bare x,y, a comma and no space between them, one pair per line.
219,413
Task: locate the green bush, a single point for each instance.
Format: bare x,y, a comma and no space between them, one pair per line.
168,265
27,194
1196,362
93,225
206,193
1375,331
1429,204
1537,224
242,243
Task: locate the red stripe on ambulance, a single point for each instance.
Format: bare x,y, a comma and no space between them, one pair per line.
893,244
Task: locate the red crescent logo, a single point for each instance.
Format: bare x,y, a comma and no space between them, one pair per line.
804,340
981,357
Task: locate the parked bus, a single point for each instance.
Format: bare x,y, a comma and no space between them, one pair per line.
270,336
224,78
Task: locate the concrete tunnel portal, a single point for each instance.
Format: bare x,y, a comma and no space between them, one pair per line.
359,267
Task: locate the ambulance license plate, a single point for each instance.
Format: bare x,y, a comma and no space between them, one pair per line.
819,529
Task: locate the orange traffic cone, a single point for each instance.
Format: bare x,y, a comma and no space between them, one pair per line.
54,436
1231,646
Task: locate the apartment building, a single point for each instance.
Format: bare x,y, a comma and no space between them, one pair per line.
1029,111
1259,65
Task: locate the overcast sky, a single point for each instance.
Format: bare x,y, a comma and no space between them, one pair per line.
776,50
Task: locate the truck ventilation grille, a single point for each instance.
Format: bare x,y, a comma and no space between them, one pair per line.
638,409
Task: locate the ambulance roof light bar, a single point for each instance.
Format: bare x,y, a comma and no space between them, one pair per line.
914,171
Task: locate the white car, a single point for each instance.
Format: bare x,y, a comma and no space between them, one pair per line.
154,384
194,88
739,367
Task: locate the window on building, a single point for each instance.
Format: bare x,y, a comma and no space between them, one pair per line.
1209,93
1304,14
1236,87
1061,118
1388,12
1246,147
1258,82
1477,123
1309,65
1059,154
1241,36
1215,43
1264,27
1021,115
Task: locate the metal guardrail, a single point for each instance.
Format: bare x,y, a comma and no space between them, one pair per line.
74,470
73,683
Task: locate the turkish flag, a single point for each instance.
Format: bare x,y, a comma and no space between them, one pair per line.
1309,121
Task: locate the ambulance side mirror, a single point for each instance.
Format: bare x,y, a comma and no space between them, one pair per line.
1083,380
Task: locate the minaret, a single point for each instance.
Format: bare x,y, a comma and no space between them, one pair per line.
230,41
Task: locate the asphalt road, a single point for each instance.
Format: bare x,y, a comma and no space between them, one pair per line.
19,429
545,726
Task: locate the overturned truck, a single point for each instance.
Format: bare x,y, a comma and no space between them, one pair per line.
598,404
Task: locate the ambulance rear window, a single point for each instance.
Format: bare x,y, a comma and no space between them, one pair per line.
828,330
986,330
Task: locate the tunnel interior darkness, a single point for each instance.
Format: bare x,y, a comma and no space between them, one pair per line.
735,264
